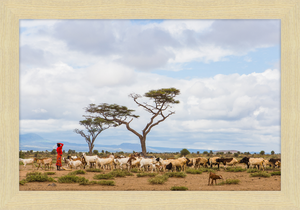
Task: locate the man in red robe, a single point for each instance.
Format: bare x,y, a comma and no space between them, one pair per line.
59,155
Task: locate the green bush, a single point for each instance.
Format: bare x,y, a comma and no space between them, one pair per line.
71,179
77,172
49,173
158,179
253,170
175,174
146,174
93,170
105,182
135,170
276,173
260,174
178,188
38,177
193,171
207,170
238,169
230,181
120,173
104,176
22,182
33,173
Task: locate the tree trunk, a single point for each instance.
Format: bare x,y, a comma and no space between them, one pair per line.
91,146
143,145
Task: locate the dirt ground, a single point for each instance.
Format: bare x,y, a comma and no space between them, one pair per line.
194,182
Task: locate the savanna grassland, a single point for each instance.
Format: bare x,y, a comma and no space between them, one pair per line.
235,179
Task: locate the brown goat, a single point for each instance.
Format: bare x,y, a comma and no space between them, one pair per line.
213,177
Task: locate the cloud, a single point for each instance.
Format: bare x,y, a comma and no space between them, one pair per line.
159,45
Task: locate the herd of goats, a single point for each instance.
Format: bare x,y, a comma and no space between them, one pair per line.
138,160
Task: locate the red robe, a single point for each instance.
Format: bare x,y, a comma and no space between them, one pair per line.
59,154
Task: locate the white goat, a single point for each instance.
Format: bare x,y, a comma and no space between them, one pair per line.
102,162
28,161
75,164
90,159
148,162
122,161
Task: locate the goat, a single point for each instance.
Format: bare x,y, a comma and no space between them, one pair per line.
148,162
213,177
272,161
256,162
28,161
228,161
89,159
48,162
75,164
102,162
213,161
179,162
278,164
122,161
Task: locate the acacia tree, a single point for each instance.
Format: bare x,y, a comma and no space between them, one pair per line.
161,102
94,127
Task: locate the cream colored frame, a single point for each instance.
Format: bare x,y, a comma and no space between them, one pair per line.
11,11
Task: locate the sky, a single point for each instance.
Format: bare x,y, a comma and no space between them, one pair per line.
227,71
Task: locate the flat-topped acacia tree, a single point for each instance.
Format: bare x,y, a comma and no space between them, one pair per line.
162,100
93,126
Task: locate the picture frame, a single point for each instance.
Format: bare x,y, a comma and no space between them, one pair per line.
14,10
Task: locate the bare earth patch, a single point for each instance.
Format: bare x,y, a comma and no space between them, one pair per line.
194,182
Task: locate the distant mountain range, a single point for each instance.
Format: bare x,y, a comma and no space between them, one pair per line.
32,141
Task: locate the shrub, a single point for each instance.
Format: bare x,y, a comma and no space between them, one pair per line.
104,176
135,170
104,182
146,174
193,171
184,152
230,181
71,179
260,174
253,170
120,173
77,172
93,170
238,169
22,182
207,170
158,179
49,173
276,173
175,174
33,174
178,188
38,177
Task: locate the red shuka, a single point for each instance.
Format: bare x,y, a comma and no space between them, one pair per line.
59,149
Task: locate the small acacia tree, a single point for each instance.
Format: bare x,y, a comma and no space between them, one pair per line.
184,152
162,100
93,126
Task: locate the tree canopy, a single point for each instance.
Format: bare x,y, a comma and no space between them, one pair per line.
162,99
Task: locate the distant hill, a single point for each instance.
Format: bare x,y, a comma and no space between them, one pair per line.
32,141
